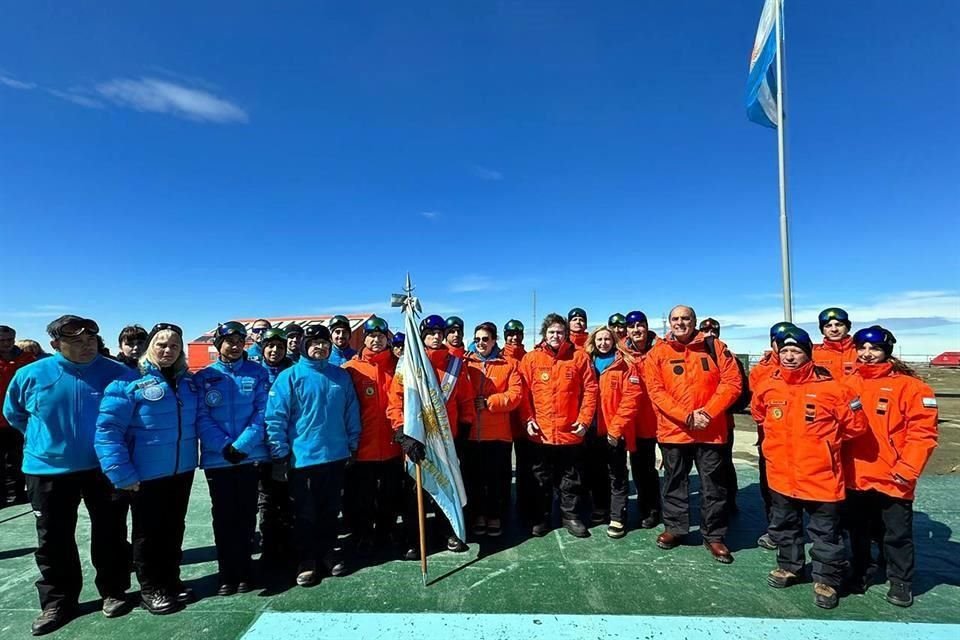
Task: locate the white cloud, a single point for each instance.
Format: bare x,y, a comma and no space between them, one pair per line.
485,173
161,96
430,215
473,283
13,83
76,98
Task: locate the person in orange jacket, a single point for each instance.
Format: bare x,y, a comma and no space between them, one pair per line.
806,415
498,389
643,453
881,468
692,389
453,336
836,353
759,372
11,440
373,482
614,427
577,327
461,413
618,324
525,483
558,406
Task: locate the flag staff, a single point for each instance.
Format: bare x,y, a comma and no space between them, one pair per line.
782,157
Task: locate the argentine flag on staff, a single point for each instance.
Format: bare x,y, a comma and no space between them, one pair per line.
762,81
425,420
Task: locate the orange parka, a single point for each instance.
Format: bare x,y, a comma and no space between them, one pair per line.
645,426
621,395
839,357
561,389
8,367
759,372
498,380
460,352
805,415
372,375
902,413
514,353
460,408
579,339
682,378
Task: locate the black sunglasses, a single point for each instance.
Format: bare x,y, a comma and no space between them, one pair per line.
166,326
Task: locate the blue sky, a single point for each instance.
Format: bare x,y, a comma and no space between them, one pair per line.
194,163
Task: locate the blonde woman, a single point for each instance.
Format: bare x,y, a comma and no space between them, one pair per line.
147,445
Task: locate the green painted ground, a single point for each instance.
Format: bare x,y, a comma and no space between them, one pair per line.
555,574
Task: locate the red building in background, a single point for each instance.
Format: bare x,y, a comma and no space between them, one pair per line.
201,352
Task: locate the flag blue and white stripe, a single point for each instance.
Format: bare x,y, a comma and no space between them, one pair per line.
425,420
762,80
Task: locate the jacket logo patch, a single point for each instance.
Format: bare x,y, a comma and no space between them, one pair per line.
247,385
777,403
153,393
635,379
369,391
777,413
678,370
856,405
930,403
213,398
882,406
809,412
544,376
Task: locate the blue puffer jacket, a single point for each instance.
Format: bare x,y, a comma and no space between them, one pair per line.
55,403
147,429
273,372
339,357
255,353
233,397
313,414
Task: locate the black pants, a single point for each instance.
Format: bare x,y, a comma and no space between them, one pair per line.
731,471
372,497
159,511
823,527
55,500
764,486
596,471
316,502
643,465
486,477
276,514
870,511
558,467
233,505
678,460
12,481
526,483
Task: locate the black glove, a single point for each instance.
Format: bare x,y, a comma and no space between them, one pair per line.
413,449
279,469
233,456
463,431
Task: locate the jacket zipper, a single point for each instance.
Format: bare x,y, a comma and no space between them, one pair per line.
176,394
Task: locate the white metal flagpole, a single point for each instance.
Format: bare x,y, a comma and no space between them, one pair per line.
784,231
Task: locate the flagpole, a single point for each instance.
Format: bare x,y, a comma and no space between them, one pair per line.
781,152
422,517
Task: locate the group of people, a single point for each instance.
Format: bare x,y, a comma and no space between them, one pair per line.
299,428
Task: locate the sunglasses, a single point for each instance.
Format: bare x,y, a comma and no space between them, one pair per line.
259,330
166,326
483,339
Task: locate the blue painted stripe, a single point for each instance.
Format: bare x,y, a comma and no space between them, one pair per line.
452,626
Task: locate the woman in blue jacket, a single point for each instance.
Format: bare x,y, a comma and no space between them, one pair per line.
232,439
146,441
313,424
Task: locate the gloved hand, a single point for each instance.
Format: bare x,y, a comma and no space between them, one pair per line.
613,442
279,469
233,456
413,449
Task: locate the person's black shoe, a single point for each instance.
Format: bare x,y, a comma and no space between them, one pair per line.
183,594
158,602
899,595
651,521
576,528
244,586
114,606
456,545
227,589
336,564
51,619
766,542
540,529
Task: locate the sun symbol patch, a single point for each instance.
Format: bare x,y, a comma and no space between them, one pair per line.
153,393
777,413
544,376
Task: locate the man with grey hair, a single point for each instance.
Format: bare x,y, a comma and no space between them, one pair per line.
692,380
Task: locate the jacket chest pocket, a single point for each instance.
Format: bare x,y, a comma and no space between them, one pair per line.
246,386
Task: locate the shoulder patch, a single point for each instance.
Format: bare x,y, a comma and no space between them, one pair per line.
855,404
930,403
153,393
152,382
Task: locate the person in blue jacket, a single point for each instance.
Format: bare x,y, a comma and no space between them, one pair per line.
294,333
260,327
273,502
340,351
146,441
313,424
232,441
54,402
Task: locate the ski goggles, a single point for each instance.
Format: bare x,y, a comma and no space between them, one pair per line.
75,328
617,320
374,325
166,326
274,334
875,335
833,313
231,328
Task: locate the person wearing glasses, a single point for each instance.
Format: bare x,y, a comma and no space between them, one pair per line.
260,327
618,324
313,426
340,333
498,390
837,353
147,445
453,336
54,402
232,442
294,333
372,492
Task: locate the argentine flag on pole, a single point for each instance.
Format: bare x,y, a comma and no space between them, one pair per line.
762,81
425,420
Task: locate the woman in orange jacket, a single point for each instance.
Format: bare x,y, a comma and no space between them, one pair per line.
373,482
613,431
836,353
806,415
497,389
882,467
558,406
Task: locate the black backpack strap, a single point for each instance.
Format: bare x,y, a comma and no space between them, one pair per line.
711,345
